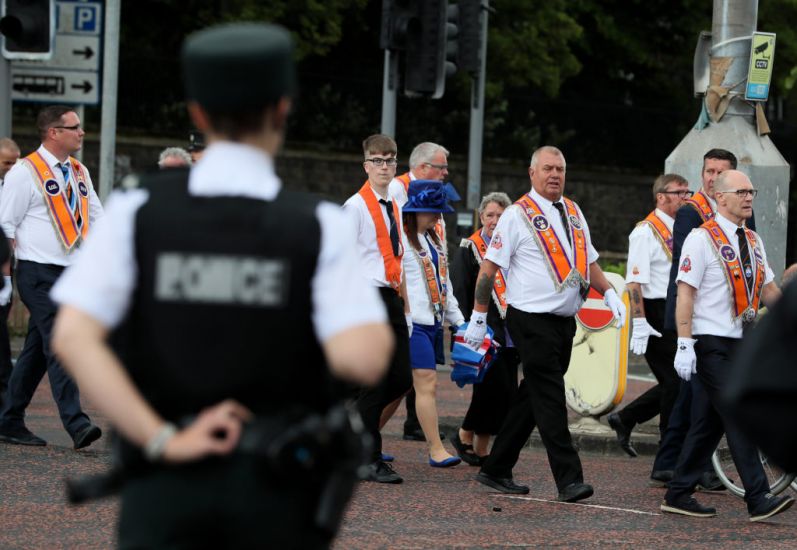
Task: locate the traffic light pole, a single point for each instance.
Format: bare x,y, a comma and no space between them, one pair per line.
477,120
390,93
5,97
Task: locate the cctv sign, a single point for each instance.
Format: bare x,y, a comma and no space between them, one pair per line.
759,75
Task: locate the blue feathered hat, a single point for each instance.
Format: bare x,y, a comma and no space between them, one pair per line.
429,196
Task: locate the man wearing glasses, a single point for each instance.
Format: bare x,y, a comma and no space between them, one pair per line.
48,206
377,217
723,277
696,211
648,267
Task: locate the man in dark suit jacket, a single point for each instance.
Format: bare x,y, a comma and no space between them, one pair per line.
694,213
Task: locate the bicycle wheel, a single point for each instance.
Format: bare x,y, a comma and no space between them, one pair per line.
726,471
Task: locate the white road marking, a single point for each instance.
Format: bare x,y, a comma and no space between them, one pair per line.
598,506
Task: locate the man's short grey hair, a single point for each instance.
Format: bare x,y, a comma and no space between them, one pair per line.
425,152
498,197
176,152
546,149
9,145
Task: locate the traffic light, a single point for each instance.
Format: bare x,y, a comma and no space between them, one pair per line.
28,27
396,17
425,50
470,36
452,39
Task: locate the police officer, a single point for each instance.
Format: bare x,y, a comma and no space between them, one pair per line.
544,242
723,277
228,329
648,266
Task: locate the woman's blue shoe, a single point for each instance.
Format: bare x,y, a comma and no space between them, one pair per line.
447,463
387,458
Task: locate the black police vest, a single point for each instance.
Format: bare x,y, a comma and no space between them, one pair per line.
223,302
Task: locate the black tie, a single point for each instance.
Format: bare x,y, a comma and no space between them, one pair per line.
561,209
744,252
394,238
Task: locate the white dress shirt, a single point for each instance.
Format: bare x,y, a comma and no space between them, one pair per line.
373,265
418,288
529,284
648,263
24,215
396,190
339,297
702,269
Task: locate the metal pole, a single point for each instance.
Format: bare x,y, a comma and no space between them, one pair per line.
389,93
5,97
732,25
80,111
110,79
477,120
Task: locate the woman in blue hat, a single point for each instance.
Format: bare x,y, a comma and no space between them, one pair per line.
432,302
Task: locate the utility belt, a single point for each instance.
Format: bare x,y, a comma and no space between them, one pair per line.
331,448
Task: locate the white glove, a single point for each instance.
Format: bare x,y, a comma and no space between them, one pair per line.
685,358
639,338
477,328
5,292
617,306
408,317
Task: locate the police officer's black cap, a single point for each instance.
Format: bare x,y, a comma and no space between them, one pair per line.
238,67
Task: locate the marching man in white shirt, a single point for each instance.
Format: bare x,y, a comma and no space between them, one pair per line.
48,207
648,269
544,242
722,279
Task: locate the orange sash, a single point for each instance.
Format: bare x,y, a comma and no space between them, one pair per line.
392,262
405,180
660,230
437,294
479,247
699,201
745,301
70,229
562,271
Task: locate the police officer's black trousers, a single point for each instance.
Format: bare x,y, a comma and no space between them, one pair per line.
398,379
492,397
219,503
709,421
660,356
545,342
34,281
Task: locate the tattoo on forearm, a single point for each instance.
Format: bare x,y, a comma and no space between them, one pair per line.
484,288
637,302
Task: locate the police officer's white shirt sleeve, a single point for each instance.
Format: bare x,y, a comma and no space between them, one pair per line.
505,237
102,279
17,195
342,298
638,265
693,258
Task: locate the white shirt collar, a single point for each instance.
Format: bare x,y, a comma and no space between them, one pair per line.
668,221
727,226
234,169
49,157
545,204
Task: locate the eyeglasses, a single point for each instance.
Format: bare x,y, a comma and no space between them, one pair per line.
742,193
379,162
683,194
73,127
438,166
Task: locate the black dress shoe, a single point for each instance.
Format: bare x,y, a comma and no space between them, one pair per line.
575,492
623,434
382,472
465,451
22,436
660,478
710,482
688,507
503,484
86,436
770,505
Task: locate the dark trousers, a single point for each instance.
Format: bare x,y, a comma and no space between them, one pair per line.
5,352
229,503
34,282
544,342
411,424
660,356
491,397
398,379
709,421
